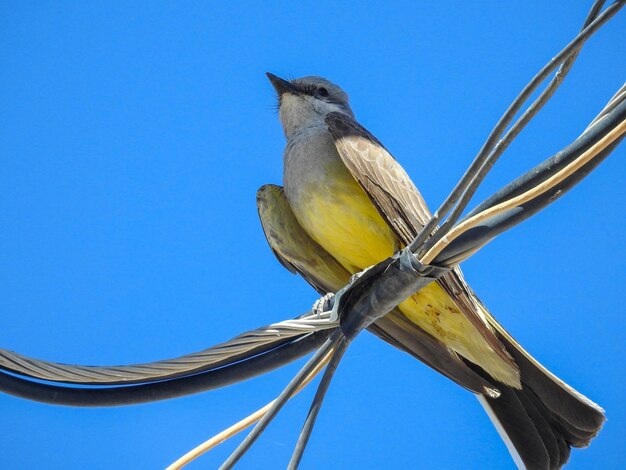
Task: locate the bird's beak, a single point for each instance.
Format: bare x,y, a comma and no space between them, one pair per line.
281,86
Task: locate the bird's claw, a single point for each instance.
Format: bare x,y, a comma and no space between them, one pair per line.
323,304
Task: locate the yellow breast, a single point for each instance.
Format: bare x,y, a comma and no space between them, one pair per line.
344,221
339,215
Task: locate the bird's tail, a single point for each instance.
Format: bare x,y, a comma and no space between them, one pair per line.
545,418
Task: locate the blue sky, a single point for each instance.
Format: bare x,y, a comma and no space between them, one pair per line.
133,137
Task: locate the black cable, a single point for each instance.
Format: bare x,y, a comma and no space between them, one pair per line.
316,404
487,157
134,394
280,401
478,236
145,373
569,53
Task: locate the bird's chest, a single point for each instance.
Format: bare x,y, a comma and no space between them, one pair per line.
331,206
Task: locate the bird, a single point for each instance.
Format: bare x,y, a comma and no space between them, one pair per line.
347,204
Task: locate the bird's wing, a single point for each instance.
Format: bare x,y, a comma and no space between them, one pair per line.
299,253
293,247
399,202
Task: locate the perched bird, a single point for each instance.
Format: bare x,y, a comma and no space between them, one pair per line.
346,205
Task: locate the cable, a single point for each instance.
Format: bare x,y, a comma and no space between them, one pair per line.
134,394
241,347
488,154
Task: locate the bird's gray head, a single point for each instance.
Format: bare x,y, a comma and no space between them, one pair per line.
306,101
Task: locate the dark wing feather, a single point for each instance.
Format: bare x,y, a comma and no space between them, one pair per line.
293,247
401,205
298,252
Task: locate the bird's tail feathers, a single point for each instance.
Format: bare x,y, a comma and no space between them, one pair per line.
545,418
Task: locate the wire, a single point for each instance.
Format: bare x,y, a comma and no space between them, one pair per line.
181,386
474,238
489,153
316,404
241,347
241,425
527,196
280,401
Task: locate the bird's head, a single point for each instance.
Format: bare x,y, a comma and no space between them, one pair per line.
306,101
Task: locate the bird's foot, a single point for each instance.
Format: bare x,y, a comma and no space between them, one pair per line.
323,304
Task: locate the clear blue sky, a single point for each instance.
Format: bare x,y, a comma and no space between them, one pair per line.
133,137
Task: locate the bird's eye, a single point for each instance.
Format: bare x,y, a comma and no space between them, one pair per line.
323,92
